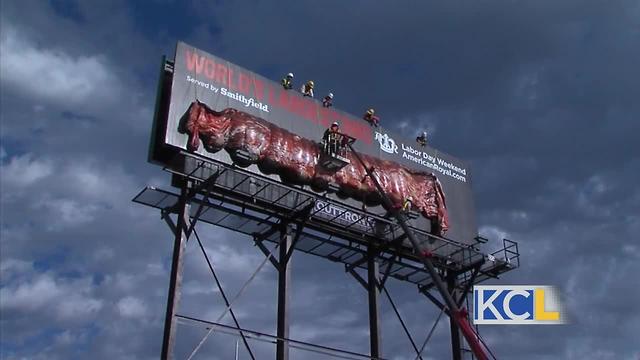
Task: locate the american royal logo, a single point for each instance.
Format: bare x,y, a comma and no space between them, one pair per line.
387,144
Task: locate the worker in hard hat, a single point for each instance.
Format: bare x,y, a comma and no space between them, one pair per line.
328,100
287,81
371,118
307,88
332,139
407,203
422,139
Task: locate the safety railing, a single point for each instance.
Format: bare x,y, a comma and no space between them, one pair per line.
336,144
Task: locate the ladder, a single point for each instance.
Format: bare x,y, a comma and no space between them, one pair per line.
460,315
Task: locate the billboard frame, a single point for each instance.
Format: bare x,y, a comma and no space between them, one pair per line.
198,189
294,117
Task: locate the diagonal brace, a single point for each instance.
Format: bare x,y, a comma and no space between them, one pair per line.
224,295
387,271
266,252
435,300
357,276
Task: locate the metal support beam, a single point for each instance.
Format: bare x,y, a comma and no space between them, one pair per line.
196,217
261,236
175,282
201,185
284,282
357,277
355,264
435,301
266,252
468,286
404,326
476,265
332,353
387,271
165,215
379,249
433,328
304,214
374,313
224,295
456,345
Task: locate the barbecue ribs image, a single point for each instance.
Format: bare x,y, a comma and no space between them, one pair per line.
252,140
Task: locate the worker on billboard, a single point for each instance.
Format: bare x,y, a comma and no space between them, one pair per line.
403,207
371,118
307,88
407,203
328,100
287,81
333,139
422,139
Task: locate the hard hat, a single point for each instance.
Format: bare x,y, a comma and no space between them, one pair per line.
371,111
290,75
409,198
335,123
330,95
310,83
424,134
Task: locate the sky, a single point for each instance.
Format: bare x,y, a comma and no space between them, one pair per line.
541,97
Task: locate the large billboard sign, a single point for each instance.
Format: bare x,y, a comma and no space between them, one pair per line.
221,111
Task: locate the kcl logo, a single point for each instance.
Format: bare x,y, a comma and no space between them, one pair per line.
517,305
387,144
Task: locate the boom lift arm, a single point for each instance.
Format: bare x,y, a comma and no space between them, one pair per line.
458,314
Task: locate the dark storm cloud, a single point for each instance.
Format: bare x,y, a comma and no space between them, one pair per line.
480,46
531,89
540,96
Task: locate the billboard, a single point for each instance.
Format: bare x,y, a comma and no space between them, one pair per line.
224,112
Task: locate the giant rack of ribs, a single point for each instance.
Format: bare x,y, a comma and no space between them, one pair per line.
296,160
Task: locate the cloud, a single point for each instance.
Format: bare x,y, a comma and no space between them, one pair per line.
82,176
13,267
132,307
23,171
66,300
68,212
52,75
65,193
70,338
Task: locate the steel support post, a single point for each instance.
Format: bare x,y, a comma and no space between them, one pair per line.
373,291
456,346
175,283
284,281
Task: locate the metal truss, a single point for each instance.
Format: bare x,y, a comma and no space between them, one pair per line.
292,218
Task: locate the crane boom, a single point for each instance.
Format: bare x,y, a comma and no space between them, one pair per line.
459,315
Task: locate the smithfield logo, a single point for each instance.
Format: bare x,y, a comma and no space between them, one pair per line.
516,305
387,144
